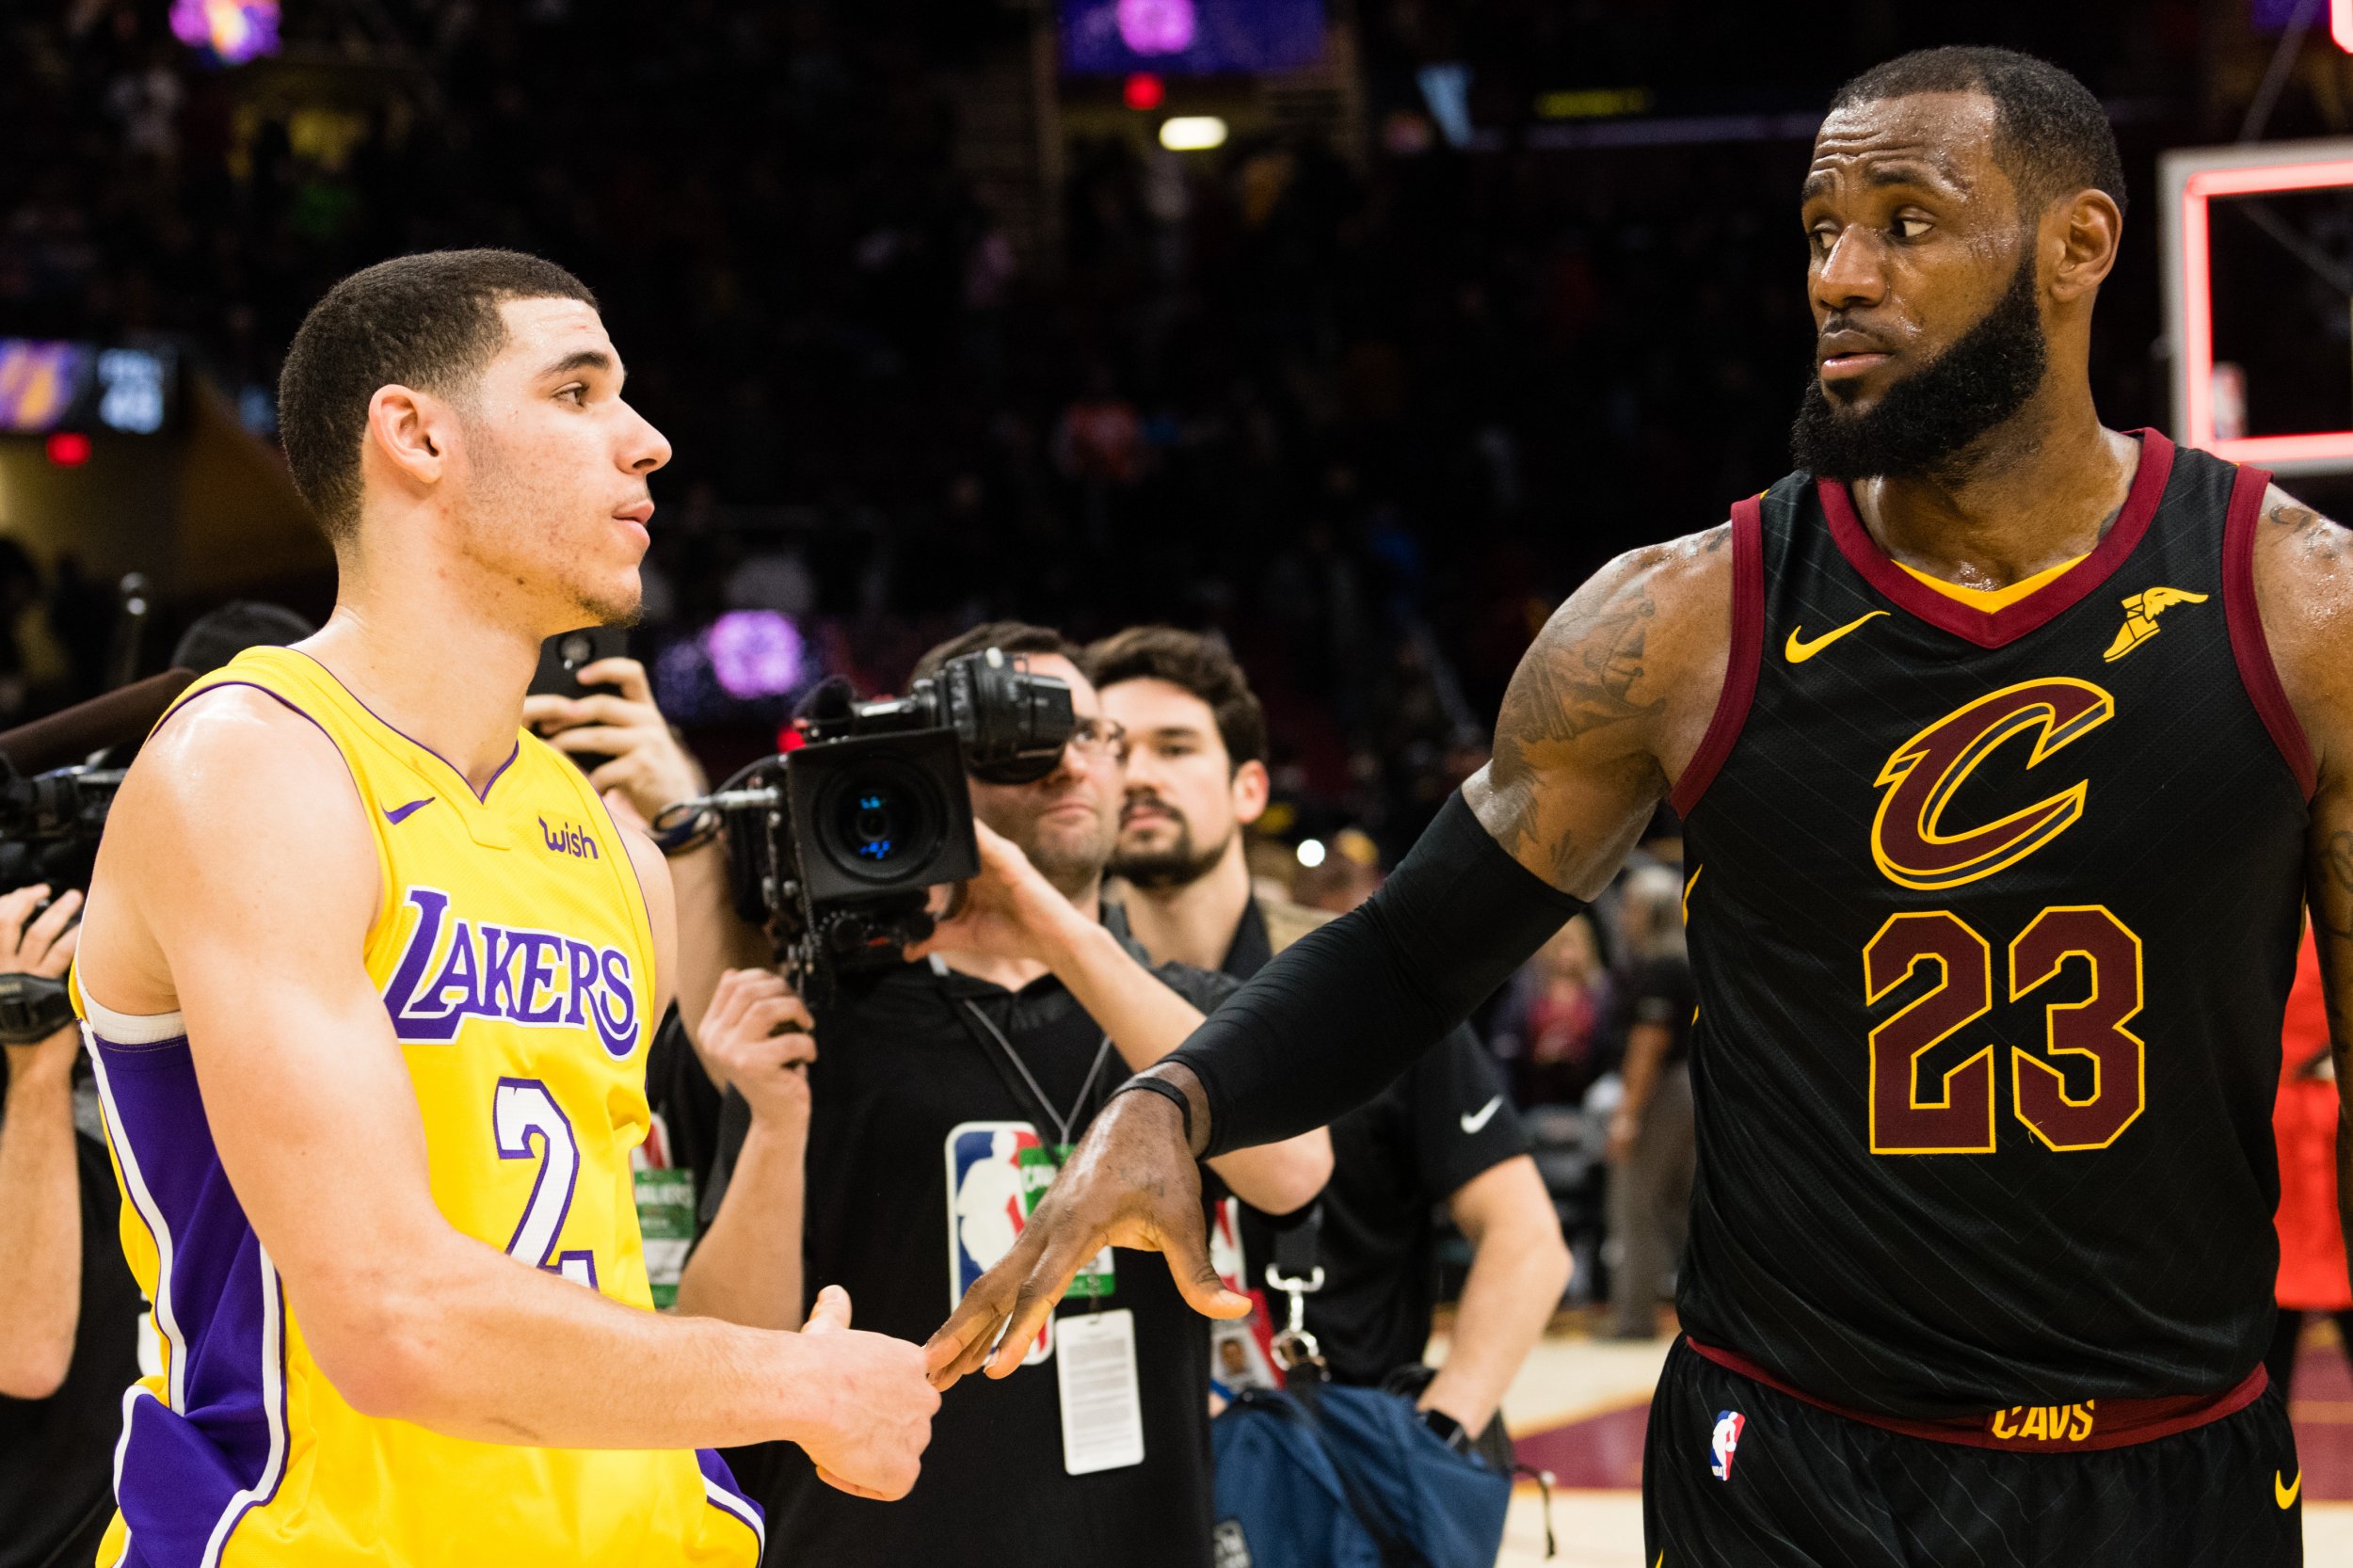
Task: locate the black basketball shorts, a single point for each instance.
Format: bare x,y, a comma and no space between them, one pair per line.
1737,1475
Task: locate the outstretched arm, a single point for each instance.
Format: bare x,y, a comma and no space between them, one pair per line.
256,937
1605,709
2303,582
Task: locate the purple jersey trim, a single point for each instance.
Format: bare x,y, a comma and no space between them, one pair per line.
190,1467
719,1486
482,795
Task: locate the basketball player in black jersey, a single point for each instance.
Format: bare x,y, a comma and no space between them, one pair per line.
2009,748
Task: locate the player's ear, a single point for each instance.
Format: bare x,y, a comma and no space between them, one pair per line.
2085,231
408,437
1251,788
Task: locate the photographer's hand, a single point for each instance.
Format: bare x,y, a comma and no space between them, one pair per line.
1131,1182
745,1033
1009,911
646,763
43,945
41,1231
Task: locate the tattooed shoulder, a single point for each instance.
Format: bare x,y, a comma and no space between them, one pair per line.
2313,534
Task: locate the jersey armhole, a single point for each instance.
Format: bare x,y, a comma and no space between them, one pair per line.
2249,647
1741,668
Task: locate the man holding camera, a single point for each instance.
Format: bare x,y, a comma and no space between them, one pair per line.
69,1309
1444,1134
946,1093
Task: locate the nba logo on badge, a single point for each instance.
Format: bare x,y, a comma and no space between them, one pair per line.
1726,1439
996,1173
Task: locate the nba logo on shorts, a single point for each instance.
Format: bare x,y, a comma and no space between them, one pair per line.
1726,1439
997,1172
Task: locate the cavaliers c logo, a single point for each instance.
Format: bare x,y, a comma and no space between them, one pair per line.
1909,838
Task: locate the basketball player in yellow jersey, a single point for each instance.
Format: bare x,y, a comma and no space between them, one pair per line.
369,976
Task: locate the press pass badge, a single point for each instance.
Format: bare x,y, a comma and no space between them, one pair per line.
665,1215
1102,1408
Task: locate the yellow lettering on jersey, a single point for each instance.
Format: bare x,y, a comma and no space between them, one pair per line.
2081,1427
2038,1423
2000,1425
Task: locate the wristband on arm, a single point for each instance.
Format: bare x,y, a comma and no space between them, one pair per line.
1167,1091
1350,1005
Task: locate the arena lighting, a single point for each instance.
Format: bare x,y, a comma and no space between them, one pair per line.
2340,24
1311,853
2191,180
1193,133
68,449
1143,91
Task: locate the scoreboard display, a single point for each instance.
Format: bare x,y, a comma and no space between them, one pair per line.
1190,38
49,385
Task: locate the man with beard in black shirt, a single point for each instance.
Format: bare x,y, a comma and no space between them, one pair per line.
941,1099
1445,1134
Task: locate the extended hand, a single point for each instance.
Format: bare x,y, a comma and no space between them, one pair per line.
1008,911
881,1421
1130,1183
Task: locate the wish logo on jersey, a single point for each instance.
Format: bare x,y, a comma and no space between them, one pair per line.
996,1173
1724,1443
538,979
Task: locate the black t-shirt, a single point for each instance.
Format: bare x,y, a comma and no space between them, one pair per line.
1660,990
56,1455
921,1136
1392,1160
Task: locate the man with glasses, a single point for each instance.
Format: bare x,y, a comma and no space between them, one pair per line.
939,1101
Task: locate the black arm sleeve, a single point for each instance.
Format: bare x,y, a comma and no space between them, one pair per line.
1350,1006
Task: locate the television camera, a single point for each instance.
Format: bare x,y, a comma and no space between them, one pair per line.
833,843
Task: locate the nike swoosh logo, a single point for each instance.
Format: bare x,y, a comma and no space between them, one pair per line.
1474,1120
399,814
2286,1490
1798,650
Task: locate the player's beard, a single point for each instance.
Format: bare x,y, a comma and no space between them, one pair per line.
1926,420
1181,864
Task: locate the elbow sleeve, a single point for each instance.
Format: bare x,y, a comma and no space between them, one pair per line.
1350,1005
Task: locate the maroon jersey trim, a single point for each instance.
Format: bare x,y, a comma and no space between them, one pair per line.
2249,645
1748,652
2114,1423
2012,622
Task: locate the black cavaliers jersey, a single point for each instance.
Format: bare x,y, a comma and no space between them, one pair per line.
1994,916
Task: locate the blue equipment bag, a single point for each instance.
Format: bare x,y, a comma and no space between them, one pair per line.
1330,1477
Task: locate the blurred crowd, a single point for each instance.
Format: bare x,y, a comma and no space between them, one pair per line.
1367,418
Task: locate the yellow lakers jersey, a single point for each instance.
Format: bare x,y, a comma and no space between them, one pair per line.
514,953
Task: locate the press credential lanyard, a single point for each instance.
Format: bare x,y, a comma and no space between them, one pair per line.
1096,1280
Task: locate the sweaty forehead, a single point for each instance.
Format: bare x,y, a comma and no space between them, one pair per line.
1937,139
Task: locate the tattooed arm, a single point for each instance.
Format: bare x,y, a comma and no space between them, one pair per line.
2304,587
1605,709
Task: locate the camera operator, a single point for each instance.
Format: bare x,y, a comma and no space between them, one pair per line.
945,1094
1444,1134
69,1309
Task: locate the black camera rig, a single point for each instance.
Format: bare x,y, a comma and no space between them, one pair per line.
832,844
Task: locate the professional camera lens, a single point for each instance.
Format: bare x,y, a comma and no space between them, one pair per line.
876,817
879,819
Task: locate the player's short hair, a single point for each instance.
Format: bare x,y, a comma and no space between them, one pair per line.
1199,664
2050,132
430,321
1013,636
